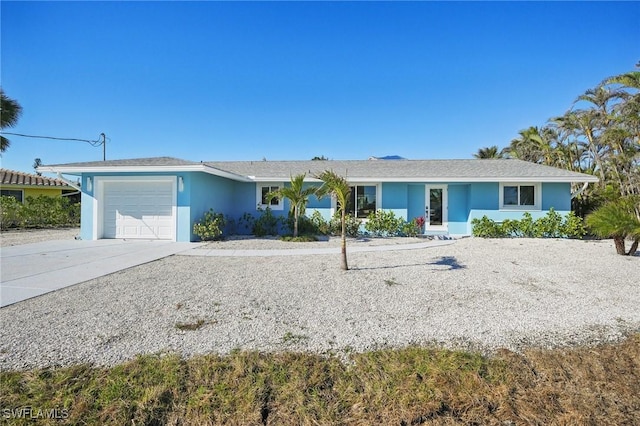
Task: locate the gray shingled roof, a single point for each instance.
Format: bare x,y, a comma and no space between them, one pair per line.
12,177
381,170
401,169
132,162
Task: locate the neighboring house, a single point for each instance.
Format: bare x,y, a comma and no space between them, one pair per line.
21,185
163,197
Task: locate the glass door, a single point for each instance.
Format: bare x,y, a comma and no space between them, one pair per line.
436,208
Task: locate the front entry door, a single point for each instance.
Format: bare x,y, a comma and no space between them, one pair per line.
436,210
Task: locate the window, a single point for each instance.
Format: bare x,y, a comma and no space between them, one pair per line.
520,196
262,202
15,193
362,200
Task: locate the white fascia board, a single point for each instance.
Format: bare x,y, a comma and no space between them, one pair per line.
547,179
277,179
144,169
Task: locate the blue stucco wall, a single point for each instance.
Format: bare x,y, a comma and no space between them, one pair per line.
556,195
395,198
416,201
202,191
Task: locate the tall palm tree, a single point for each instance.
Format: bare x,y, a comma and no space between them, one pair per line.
528,146
490,152
337,186
298,197
10,111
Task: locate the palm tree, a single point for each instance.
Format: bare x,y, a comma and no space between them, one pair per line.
298,197
490,152
528,146
10,111
337,186
619,219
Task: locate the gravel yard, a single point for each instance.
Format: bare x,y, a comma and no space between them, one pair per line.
474,294
27,236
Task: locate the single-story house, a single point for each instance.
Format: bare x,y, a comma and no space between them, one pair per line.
21,185
163,197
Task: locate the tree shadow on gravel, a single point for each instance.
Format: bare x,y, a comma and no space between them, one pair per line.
450,261
367,268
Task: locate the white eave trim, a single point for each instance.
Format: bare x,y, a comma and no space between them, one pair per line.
233,176
144,169
547,179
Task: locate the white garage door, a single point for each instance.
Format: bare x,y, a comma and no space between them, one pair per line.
139,209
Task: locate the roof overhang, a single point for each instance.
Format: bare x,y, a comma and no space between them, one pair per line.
545,179
78,170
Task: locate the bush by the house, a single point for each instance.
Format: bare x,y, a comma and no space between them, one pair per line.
38,212
352,225
553,225
210,227
384,223
413,227
321,226
306,226
266,223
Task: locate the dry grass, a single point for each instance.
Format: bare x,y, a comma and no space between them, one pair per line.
584,386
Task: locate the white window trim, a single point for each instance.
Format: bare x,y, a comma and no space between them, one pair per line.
537,196
378,185
259,205
17,189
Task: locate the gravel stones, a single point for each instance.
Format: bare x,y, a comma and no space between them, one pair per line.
475,294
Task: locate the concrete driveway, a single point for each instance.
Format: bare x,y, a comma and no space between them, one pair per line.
30,270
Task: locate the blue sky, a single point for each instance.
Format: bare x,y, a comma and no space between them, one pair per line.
292,80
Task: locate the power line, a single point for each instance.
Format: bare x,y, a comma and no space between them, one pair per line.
102,140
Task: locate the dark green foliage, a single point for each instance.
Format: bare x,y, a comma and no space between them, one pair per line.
211,226
305,225
352,225
487,228
553,225
384,223
38,212
266,224
619,219
320,225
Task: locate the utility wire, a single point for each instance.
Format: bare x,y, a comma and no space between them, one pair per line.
95,143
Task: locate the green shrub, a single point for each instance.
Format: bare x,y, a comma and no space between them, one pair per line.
486,228
384,223
10,212
305,225
573,226
552,225
527,226
38,212
321,226
266,224
210,227
352,225
411,228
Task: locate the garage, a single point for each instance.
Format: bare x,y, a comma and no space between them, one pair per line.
144,209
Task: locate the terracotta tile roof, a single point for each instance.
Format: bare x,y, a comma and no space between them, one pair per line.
12,177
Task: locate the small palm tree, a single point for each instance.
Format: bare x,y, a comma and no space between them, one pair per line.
619,219
10,111
337,186
298,197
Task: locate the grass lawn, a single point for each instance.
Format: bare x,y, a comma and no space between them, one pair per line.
590,385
